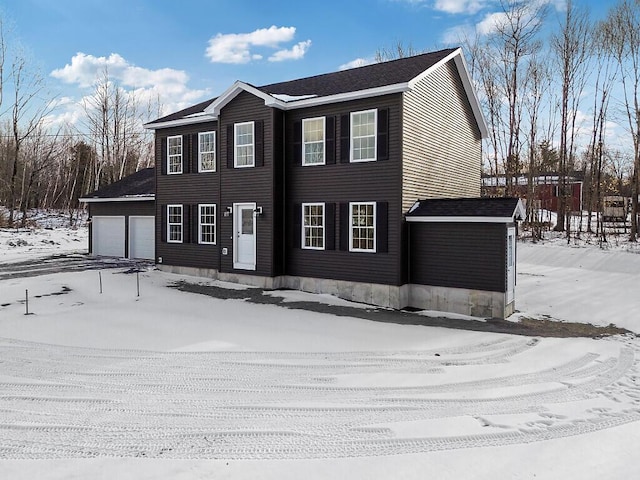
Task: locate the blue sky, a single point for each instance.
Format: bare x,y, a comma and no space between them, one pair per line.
187,51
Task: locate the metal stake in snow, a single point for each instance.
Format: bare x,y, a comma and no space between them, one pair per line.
138,282
100,277
26,303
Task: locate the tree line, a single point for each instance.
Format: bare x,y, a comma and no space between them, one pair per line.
50,165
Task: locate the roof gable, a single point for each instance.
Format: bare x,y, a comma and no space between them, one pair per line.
490,210
137,185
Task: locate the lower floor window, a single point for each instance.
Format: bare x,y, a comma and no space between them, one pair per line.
174,223
313,226
207,224
362,233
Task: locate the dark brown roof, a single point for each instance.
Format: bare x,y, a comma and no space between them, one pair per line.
141,183
465,207
352,80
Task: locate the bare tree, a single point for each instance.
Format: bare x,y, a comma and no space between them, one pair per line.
571,46
622,34
399,50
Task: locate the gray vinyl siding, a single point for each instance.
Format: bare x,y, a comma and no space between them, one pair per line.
187,189
442,151
376,181
120,209
459,255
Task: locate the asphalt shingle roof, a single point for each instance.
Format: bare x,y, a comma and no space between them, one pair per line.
141,183
352,80
465,207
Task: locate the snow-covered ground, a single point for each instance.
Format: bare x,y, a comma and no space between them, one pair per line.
180,385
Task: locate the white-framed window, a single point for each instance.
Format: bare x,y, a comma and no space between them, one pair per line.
244,145
313,226
207,151
207,224
174,223
363,135
313,141
362,231
174,154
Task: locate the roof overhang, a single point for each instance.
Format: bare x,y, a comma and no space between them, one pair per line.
519,213
190,120
132,198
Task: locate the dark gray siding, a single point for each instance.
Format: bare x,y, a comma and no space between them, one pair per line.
469,255
338,183
187,189
126,209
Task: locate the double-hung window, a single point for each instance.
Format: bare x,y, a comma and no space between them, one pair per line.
362,231
363,135
313,226
174,223
313,141
207,224
174,154
207,152
244,145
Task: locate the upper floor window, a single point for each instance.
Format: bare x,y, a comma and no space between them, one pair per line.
313,141
362,231
174,154
174,223
207,224
363,135
313,226
244,145
207,152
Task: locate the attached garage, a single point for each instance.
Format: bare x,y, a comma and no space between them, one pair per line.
107,236
122,217
142,237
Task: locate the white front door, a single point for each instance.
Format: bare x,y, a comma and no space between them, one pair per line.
244,236
511,264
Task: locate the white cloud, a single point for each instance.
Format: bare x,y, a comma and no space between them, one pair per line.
167,85
358,62
294,53
458,35
491,23
468,7
237,47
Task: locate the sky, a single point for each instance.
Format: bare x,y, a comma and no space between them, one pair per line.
189,51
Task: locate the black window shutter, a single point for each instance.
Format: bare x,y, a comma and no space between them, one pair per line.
195,150
258,127
186,154
163,222
330,226
344,226
297,225
195,223
330,140
383,134
297,142
186,230
163,156
345,142
230,142
382,229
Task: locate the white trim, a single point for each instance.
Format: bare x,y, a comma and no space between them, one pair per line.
136,198
375,228
343,97
324,141
188,120
469,219
235,145
169,172
215,223
324,231
181,224
233,91
215,157
375,136
236,264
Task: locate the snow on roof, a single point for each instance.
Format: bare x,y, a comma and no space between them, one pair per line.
291,98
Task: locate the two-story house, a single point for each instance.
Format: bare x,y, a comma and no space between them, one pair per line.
304,184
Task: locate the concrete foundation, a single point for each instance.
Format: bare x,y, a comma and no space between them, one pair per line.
476,303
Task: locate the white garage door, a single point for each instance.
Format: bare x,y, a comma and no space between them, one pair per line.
142,237
107,237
